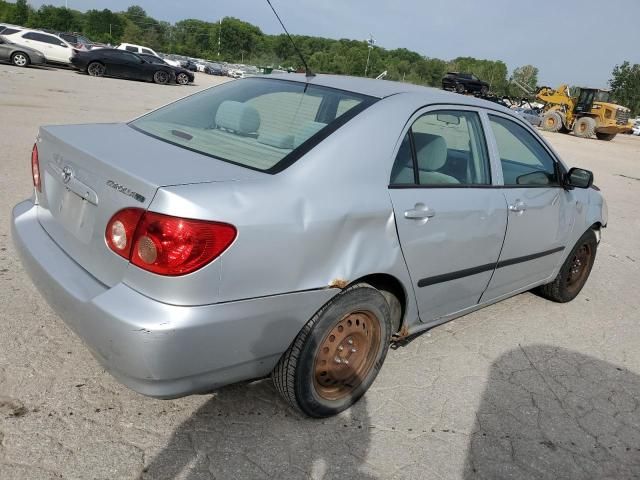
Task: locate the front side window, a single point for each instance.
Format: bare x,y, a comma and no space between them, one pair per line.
525,162
263,124
449,149
147,51
131,49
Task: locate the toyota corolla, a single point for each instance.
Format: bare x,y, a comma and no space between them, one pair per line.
294,226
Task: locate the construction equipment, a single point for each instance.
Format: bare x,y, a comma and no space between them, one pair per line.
586,114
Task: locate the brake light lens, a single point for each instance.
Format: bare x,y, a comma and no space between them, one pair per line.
164,244
35,168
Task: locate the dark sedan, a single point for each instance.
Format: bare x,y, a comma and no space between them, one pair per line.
183,76
464,82
19,55
123,64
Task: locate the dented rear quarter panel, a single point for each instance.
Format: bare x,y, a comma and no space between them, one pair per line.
324,222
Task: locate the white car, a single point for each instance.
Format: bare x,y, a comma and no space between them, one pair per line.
636,129
130,47
54,48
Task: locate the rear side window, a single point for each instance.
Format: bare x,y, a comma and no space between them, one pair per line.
525,162
262,124
8,31
449,150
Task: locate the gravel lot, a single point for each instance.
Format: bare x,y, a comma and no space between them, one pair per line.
523,389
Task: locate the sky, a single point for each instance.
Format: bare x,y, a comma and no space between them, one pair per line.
571,41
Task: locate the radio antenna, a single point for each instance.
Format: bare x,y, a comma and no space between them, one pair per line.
307,70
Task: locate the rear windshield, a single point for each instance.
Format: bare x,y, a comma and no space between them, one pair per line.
262,124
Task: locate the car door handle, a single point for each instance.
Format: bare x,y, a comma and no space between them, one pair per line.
518,207
419,212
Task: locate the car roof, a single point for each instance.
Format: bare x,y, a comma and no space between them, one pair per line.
384,88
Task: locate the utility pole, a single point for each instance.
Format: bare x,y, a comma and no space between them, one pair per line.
219,32
370,43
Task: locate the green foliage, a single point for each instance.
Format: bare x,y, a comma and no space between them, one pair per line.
527,76
625,86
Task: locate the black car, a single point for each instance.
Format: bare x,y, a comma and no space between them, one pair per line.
183,76
120,63
190,65
464,82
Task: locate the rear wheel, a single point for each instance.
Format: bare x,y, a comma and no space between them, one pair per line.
460,88
484,90
605,136
96,69
552,122
585,127
182,78
337,354
574,271
161,77
20,59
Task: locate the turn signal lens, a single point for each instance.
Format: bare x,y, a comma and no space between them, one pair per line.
35,168
164,244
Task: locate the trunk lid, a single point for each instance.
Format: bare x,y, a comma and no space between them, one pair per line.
89,172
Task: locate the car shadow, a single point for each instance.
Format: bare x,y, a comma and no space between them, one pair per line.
248,432
552,413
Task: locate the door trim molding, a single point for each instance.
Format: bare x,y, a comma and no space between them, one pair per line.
447,277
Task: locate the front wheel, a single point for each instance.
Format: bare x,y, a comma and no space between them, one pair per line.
96,69
585,127
484,90
182,79
20,59
460,88
552,121
337,355
161,77
574,271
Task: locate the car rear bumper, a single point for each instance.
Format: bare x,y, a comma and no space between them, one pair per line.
161,350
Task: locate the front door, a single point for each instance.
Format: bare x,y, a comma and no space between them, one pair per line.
450,222
540,217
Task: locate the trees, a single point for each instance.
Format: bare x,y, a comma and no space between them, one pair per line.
526,76
21,12
625,86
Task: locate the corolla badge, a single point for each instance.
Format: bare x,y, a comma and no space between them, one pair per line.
67,174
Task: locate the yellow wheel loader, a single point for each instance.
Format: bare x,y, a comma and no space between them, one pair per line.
587,114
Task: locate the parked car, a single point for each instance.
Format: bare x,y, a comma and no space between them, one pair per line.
20,56
189,65
129,47
54,48
7,29
530,115
182,75
111,62
232,234
636,129
464,82
79,41
215,69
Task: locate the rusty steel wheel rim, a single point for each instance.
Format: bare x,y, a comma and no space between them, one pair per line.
551,122
579,267
346,355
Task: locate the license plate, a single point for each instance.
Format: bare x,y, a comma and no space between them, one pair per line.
71,211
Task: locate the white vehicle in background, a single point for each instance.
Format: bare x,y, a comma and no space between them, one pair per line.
636,127
130,47
235,73
54,48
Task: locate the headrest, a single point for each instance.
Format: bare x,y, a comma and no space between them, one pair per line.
431,151
278,140
309,129
237,117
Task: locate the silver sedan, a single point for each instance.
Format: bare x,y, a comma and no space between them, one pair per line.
19,55
294,227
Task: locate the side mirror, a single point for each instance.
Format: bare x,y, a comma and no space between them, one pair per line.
63,45
579,178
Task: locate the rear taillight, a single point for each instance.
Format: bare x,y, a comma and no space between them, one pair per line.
35,168
164,244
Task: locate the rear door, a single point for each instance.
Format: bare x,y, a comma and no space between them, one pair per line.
450,221
541,215
53,48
